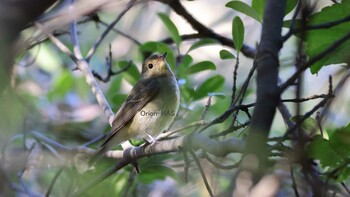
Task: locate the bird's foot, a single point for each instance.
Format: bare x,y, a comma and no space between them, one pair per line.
149,141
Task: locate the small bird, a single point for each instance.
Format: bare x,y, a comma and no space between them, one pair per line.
149,109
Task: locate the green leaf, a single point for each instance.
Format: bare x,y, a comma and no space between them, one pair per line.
210,85
187,93
310,125
185,61
238,33
160,48
290,6
333,153
259,6
340,141
220,95
320,39
159,172
201,66
152,169
174,33
118,99
62,85
321,150
245,9
225,54
132,75
202,42
114,86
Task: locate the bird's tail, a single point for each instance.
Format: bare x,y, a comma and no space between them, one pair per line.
97,156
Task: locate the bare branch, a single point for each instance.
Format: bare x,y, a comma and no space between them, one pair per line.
56,42
194,141
317,26
325,52
201,172
108,29
220,166
58,173
203,30
101,99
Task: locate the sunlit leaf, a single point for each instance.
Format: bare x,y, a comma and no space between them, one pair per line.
320,39
210,85
62,85
132,75
225,54
259,6
217,94
185,61
202,42
154,173
118,99
238,33
245,9
174,33
310,125
320,149
201,66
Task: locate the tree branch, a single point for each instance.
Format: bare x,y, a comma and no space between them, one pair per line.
325,52
131,155
203,30
108,29
267,79
317,26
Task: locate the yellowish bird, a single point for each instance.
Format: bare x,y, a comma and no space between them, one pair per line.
149,109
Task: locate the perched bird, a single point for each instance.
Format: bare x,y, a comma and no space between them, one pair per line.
150,107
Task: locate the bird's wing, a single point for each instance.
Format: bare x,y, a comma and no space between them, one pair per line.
141,94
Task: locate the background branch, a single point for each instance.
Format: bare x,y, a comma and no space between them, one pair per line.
203,30
267,94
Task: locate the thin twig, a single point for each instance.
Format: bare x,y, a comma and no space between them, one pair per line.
317,26
56,42
58,173
101,99
171,132
119,32
93,141
74,33
233,97
111,72
25,167
294,184
296,100
292,24
306,115
39,136
345,187
186,162
234,106
203,30
207,106
201,172
108,29
325,52
230,129
220,166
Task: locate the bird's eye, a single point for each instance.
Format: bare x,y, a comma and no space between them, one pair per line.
150,66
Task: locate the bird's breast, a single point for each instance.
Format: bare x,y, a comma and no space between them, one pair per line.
157,115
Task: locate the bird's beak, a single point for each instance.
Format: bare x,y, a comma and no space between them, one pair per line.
163,55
